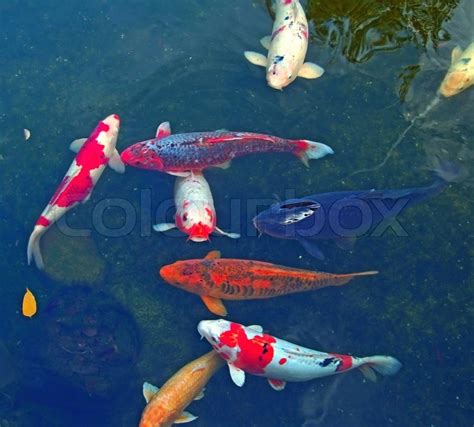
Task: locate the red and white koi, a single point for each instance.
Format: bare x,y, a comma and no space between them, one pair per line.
287,46
195,212
248,350
179,154
93,154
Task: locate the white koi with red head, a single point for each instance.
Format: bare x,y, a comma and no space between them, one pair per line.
287,46
93,155
248,350
195,212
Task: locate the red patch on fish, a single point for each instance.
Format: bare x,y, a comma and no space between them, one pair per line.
254,354
277,31
199,230
345,362
301,145
43,221
90,157
282,361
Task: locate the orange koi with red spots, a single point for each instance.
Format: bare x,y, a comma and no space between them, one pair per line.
215,279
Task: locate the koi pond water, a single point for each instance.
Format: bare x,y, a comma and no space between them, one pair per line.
98,321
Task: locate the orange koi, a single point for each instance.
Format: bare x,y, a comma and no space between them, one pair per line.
166,406
215,279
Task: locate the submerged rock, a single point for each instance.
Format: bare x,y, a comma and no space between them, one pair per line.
71,259
88,341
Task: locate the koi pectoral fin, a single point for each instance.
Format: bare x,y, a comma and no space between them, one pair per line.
456,54
312,248
77,144
266,42
185,417
256,58
223,233
277,385
149,390
214,305
310,71
164,227
116,163
180,174
237,375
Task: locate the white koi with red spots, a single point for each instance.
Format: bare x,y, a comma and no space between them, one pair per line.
248,350
195,212
93,154
287,47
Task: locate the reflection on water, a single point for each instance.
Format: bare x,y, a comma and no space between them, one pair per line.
358,30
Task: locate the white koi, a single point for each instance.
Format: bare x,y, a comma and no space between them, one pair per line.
287,47
195,212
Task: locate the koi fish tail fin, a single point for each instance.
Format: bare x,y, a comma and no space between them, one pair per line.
383,365
313,150
342,279
34,250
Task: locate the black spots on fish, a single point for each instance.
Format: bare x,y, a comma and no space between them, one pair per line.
287,17
465,61
278,58
326,362
248,291
265,350
187,271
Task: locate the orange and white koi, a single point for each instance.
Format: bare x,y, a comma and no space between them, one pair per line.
93,154
246,349
215,279
167,405
287,47
195,212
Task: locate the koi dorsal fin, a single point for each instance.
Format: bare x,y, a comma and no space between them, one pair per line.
163,130
213,255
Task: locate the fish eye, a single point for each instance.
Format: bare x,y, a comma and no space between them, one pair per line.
185,217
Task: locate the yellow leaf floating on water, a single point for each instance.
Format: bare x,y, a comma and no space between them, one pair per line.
29,304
